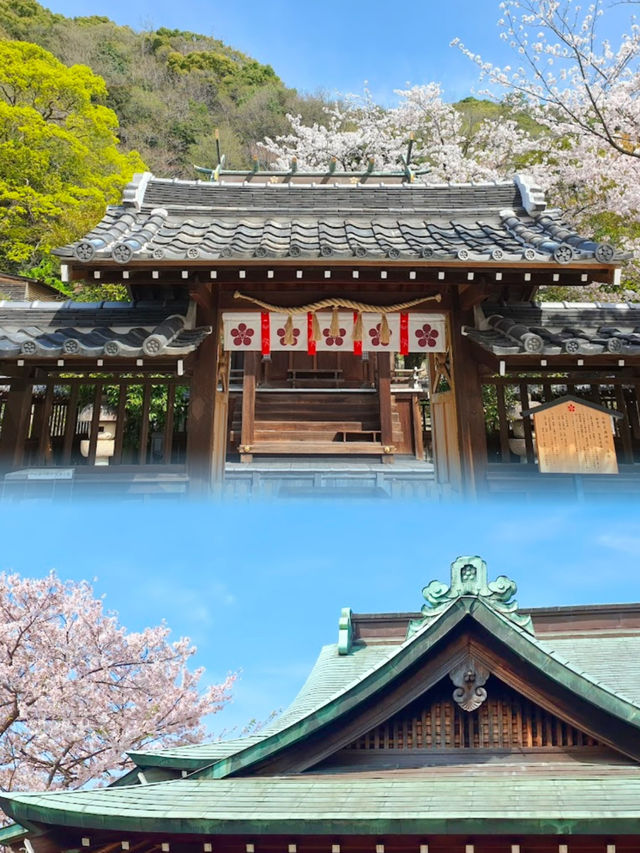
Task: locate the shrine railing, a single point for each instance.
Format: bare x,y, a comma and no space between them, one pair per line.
511,438
105,420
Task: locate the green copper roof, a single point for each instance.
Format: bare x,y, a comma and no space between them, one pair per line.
12,833
604,670
513,801
564,798
192,755
330,675
612,662
392,665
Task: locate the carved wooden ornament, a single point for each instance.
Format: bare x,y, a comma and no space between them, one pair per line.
469,678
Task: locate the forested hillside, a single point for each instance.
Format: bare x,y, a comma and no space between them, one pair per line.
169,89
85,102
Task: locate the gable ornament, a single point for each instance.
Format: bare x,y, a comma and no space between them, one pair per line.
469,578
469,679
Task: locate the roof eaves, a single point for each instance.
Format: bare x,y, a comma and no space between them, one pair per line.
348,697
12,833
584,807
555,666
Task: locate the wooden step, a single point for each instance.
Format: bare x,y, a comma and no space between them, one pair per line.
301,413
275,436
315,426
308,436
329,448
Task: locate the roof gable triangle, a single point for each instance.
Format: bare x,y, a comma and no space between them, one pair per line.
438,642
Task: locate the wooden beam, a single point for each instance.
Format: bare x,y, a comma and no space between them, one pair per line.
70,424
121,414
472,295
95,421
201,295
221,415
472,437
167,436
44,440
416,422
251,363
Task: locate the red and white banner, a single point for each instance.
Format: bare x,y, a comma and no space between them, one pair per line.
265,332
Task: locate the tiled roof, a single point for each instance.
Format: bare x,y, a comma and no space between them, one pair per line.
102,329
590,795
177,220
553,328
441,799
612,663
330,675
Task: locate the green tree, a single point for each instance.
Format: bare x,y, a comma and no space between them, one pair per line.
59,157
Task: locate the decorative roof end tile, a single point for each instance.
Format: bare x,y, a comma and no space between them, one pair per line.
469,578
345,631
133,194
533,198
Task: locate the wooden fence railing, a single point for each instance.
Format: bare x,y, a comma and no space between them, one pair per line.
125,420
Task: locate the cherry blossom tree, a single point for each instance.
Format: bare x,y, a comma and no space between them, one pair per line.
583,90
570,71
358,132
580,141
77,689
354,131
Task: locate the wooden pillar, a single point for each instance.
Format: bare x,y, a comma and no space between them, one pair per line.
15,424
44,438
221,417
472,435
416,423
251,363
201,419
384,396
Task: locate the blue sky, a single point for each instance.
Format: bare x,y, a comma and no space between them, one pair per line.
337,45
259,587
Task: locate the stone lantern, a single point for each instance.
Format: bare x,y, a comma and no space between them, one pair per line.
105,445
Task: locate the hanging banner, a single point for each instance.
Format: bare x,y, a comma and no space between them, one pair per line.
427,333
264,332
334,331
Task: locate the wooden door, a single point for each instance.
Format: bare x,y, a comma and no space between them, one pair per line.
444,431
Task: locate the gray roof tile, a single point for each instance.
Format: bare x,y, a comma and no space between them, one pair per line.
173,219
103,329
552,328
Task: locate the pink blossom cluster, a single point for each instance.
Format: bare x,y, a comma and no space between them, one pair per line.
77,690
580,92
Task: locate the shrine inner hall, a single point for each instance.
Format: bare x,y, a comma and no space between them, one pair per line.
334,320
472,725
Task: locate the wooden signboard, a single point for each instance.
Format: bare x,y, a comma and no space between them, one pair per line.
574,437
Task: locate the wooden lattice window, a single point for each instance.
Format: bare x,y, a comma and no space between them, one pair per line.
506,720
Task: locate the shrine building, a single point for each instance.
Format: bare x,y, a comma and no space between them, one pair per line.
290,325
471,726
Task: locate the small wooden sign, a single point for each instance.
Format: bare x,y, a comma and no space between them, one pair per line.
574,436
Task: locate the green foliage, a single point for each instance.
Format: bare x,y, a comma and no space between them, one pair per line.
158,402
169,88
490,404
59,160
99,292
